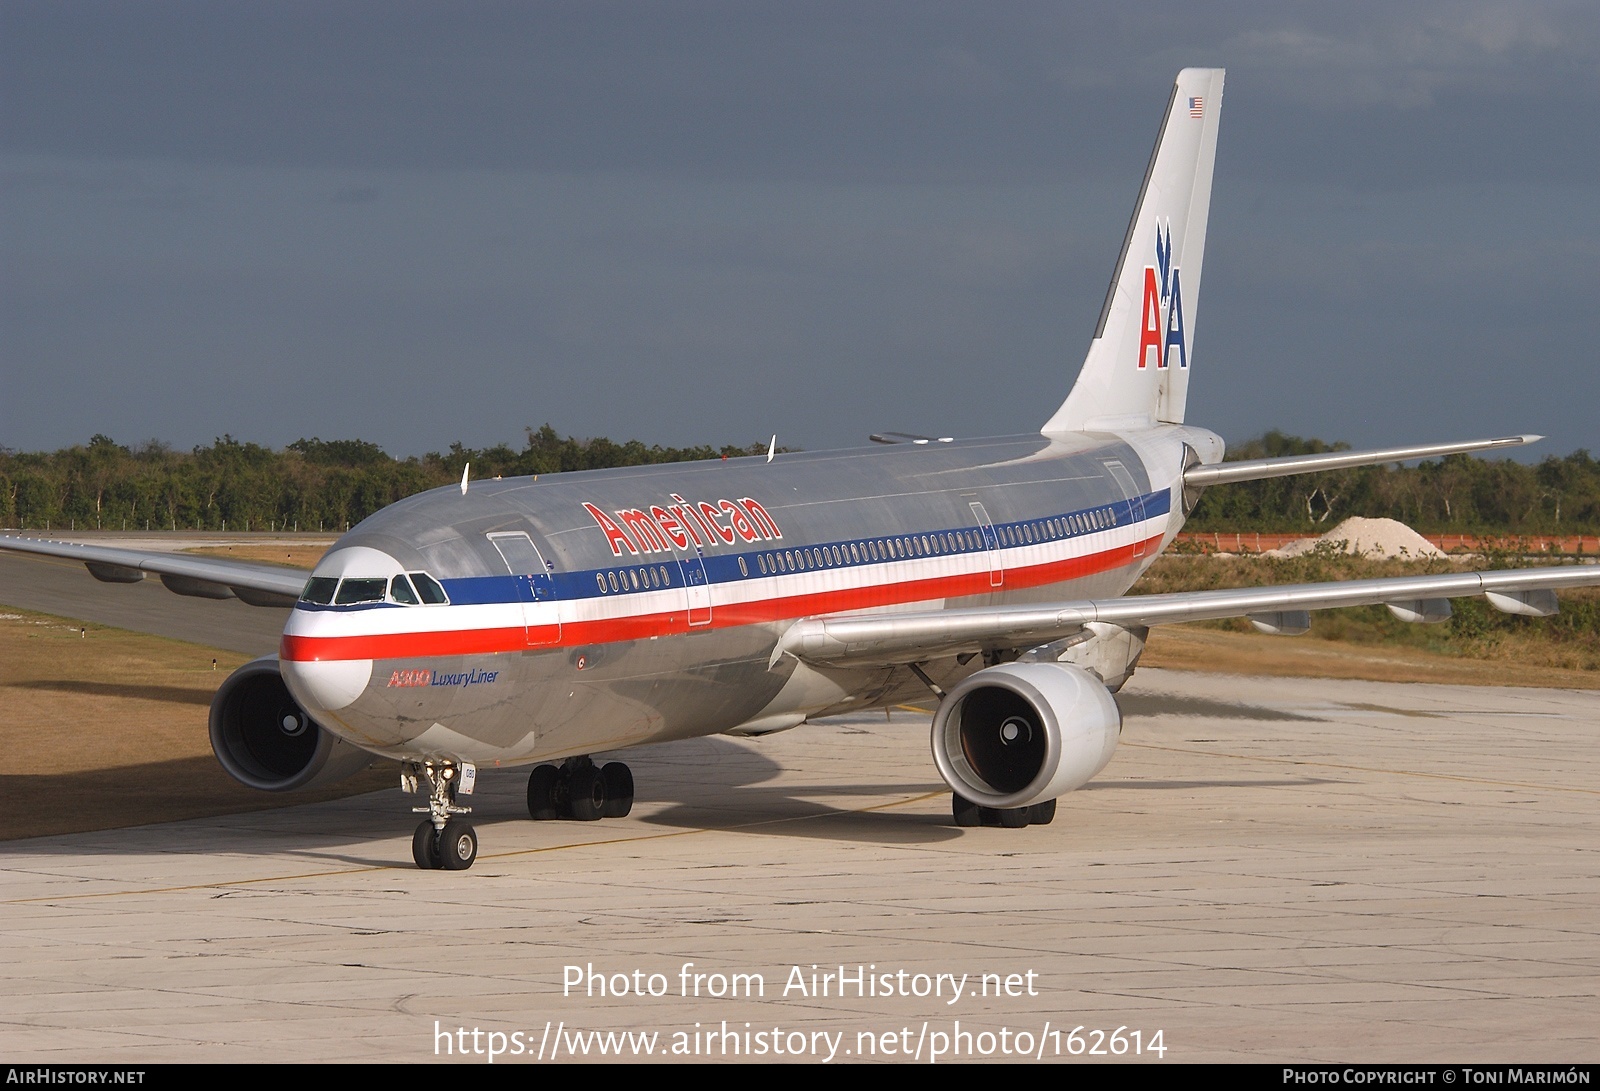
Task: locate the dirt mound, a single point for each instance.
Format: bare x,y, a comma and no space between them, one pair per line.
1367,537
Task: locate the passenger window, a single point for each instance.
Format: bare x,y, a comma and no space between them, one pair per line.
599,578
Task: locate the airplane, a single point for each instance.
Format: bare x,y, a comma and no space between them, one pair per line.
541,621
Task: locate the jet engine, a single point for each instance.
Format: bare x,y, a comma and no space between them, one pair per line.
1022,733
267,741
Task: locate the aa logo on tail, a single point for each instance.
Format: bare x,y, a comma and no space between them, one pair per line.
1162,310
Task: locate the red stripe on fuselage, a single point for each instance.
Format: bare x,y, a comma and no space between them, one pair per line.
311,649
316,649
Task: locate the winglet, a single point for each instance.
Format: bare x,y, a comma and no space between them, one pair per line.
464,471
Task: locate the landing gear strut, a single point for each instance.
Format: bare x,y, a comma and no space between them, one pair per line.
968,813
580,789
444,839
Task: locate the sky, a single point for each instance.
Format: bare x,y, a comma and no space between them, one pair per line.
686,223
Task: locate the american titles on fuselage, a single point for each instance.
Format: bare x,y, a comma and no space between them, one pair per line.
1162,328
685,526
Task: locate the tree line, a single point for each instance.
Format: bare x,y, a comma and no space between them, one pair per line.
312,484
1455,494
316,484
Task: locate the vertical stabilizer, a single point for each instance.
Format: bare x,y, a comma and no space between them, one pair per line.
1137,370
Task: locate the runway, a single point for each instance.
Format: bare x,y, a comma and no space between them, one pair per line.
1269,870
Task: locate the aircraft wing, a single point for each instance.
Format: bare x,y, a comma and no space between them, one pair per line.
201,577
913,637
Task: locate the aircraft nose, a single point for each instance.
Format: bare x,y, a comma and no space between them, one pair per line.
328,685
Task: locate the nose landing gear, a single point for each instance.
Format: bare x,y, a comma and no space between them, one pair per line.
580,789
577,789
444,839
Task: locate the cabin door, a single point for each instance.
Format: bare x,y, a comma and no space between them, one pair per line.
541,620
991,543
697,589
1134,498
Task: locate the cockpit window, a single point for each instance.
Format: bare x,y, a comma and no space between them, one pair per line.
319,590
354,591
428,587
400,591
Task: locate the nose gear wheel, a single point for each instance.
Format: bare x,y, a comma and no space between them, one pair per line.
444,840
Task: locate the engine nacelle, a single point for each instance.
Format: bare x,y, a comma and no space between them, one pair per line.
1022,733
265,740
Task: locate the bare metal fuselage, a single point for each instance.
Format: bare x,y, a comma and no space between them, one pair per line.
665,589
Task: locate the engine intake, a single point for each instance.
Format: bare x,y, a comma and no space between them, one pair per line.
265,740
1021,733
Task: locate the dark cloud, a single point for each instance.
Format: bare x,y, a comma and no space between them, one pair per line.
829,90
700,222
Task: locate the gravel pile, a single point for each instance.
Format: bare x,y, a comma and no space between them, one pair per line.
1366,537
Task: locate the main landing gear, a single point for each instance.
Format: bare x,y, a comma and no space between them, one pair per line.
968,813
580,789
444,839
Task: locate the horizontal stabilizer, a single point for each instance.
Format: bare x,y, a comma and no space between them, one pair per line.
1255,469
